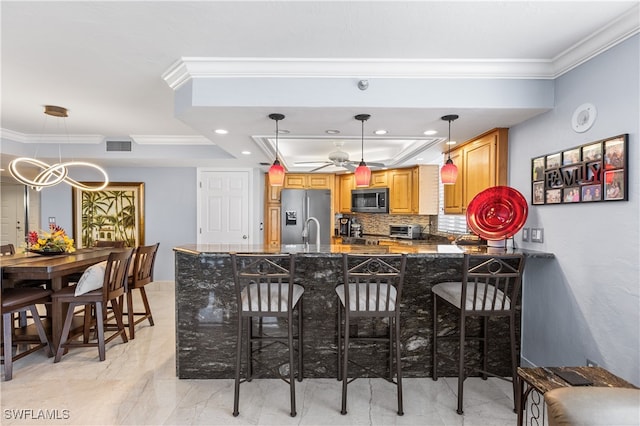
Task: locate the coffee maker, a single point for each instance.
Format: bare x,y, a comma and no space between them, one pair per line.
344,226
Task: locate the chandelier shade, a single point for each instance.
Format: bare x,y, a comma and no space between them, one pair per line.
449,172
363,172
276,171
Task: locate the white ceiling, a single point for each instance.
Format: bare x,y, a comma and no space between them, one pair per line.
166,74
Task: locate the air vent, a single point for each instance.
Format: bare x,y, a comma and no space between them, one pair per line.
118,146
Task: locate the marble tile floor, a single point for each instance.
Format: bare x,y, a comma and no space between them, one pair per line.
136,385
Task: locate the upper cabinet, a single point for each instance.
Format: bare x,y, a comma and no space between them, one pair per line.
344,186
413,190
482,164
379,179
308,181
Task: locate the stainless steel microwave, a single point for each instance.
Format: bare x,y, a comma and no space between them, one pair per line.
371,200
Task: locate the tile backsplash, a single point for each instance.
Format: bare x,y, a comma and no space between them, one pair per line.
378,224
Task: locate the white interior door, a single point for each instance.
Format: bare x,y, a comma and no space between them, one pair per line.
224,207
12,216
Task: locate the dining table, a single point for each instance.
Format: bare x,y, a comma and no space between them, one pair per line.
56,271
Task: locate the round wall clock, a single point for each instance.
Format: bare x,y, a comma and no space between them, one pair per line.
583,117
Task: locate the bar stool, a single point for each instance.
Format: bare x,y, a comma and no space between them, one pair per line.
374,291
141,274
490,287
15,300
264,288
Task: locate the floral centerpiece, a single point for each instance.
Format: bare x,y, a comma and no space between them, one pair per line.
54,241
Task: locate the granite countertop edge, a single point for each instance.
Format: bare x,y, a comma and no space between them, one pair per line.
423,250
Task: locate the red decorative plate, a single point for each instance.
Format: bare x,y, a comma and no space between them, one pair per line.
497,213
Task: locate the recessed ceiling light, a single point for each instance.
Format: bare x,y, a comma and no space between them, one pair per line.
419,159
451,143
430,132
221,131
246,152
380,132
332,132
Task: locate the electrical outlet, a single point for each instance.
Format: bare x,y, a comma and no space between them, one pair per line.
52,220
537,235
525,234
591,363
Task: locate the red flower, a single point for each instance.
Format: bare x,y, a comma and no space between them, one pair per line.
33,237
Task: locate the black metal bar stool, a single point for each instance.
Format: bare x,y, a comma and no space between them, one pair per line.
374,286
490,287
265,289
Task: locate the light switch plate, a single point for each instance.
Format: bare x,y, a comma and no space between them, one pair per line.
525,234
537,235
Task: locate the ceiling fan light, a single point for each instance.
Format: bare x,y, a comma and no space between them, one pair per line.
276,174
363,175
449,173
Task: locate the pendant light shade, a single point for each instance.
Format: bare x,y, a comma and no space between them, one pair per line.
276,171
362,173
449,172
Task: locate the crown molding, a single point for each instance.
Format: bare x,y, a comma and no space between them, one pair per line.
607,37
50,139
188,68
171,140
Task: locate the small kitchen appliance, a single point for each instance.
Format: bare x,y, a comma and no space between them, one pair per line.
408,231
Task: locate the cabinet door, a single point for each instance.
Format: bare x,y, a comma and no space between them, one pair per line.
272,193
379,179
295,181
480,168
453,193
323,181
272,228
400,191
347,183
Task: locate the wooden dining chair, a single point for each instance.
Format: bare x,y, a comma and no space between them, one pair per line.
114,279
144,259
7,249
17,300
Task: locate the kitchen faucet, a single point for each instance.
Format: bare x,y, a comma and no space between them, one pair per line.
305,231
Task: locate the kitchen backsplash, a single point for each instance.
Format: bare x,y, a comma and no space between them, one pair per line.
378,224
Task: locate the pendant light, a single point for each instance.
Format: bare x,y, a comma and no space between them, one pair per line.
362,173
276,171
449,172
51,175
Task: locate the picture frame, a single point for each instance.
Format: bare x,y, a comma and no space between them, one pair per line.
571,156
553,161
592,172
112,214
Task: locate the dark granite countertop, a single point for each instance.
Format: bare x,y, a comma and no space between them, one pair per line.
428,250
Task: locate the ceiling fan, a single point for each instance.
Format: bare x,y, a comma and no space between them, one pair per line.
339,158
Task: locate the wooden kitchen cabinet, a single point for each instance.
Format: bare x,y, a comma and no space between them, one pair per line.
345,184
308,181
400,191
482,164
379,179
272,227
414,190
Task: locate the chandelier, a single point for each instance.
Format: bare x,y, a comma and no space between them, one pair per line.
362,173
51,175
449,172
276,171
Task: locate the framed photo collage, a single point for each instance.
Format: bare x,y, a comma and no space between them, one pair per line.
593,172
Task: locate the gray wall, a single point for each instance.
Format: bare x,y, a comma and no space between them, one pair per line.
585,304
170,209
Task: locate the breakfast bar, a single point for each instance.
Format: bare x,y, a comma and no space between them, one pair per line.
206,316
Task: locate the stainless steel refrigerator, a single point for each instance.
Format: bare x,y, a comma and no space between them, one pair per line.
298,205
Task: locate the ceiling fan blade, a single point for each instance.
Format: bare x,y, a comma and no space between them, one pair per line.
349,166
321,167
376,164
312,162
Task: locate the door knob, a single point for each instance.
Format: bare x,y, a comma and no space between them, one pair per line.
244,237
